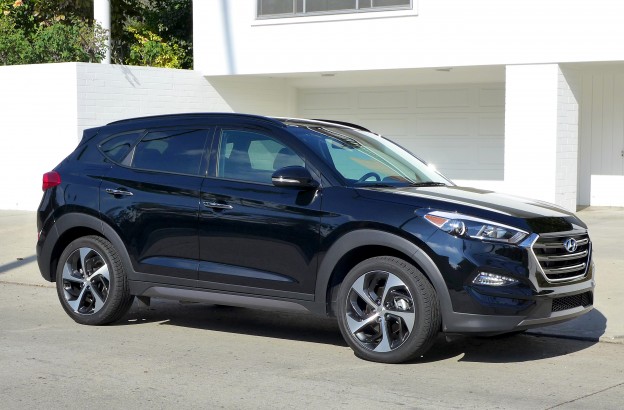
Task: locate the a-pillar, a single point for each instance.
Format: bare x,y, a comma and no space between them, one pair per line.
541,133
102,15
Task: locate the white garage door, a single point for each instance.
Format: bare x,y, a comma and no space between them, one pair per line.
459,129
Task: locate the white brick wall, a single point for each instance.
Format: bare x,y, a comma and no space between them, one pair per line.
44,108
111,92
567,138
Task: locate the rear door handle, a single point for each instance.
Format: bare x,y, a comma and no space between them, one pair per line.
215,205
117,192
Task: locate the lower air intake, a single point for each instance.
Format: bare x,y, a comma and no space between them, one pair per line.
570,302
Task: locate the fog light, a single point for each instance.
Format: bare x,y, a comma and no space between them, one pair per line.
491,279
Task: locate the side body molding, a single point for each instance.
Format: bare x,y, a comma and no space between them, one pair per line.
367,237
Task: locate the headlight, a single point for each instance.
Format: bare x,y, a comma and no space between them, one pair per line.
464,225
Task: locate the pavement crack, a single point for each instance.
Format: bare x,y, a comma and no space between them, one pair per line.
585,396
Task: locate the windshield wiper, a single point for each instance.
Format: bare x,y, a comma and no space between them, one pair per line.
428,183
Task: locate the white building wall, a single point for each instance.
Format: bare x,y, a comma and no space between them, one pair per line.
601,139
228,39
37,128
44,108
567,138
541,133
531,112
257,95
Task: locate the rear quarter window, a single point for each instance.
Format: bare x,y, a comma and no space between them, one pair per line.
119,146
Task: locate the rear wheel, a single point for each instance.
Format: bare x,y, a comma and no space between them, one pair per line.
91,282
387,310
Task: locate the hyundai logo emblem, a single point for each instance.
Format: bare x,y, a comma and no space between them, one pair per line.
570,245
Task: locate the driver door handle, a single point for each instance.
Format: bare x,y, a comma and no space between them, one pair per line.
118,192
215,205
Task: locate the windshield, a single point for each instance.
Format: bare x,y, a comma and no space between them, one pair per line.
366,159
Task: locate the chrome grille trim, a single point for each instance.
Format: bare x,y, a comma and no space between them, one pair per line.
563,257
555,263
579,242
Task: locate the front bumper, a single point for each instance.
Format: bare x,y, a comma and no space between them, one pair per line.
550,306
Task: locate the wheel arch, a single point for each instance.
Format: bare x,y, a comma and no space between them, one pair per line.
72,226
362,244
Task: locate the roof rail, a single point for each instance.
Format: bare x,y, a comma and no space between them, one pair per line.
197,115
348,124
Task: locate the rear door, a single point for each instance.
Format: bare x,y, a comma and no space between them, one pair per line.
152,198
255,237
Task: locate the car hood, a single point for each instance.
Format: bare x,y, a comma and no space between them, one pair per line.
538,215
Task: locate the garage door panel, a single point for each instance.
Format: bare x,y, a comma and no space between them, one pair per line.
459,128
388,127
443,126
492,97
383,99
491,126
442,97
324,101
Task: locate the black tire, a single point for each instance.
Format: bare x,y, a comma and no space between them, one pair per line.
91,282
363,315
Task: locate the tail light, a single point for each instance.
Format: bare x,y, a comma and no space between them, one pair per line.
50,180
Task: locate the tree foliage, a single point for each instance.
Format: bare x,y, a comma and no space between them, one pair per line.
49,31
144,32
157,33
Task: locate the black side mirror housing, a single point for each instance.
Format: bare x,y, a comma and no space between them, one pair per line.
294,177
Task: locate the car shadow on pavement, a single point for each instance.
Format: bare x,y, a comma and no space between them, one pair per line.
281,325
314,329
502,349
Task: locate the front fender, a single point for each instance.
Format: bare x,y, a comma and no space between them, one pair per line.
368,237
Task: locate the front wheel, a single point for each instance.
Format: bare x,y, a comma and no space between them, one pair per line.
387,310
91,282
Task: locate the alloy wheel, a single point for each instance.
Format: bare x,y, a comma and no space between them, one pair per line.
86,281
380,311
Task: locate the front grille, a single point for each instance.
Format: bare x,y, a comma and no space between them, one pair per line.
571,302
558,263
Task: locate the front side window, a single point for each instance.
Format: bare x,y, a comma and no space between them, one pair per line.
292,8
178,151
252,156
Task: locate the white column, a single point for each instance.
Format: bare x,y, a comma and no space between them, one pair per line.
102,15
541,134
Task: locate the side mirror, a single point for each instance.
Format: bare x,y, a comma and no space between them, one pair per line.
294,177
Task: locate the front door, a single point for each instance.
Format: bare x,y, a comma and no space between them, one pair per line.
255,237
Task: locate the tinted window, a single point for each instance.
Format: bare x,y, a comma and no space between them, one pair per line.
117,147
252,156
179,151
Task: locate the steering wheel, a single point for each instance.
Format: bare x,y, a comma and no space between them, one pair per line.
368,175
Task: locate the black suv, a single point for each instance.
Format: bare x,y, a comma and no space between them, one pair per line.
308,215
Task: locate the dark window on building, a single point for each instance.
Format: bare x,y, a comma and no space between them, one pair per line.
293,8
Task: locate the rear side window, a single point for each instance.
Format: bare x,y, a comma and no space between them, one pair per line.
179,151
117,147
